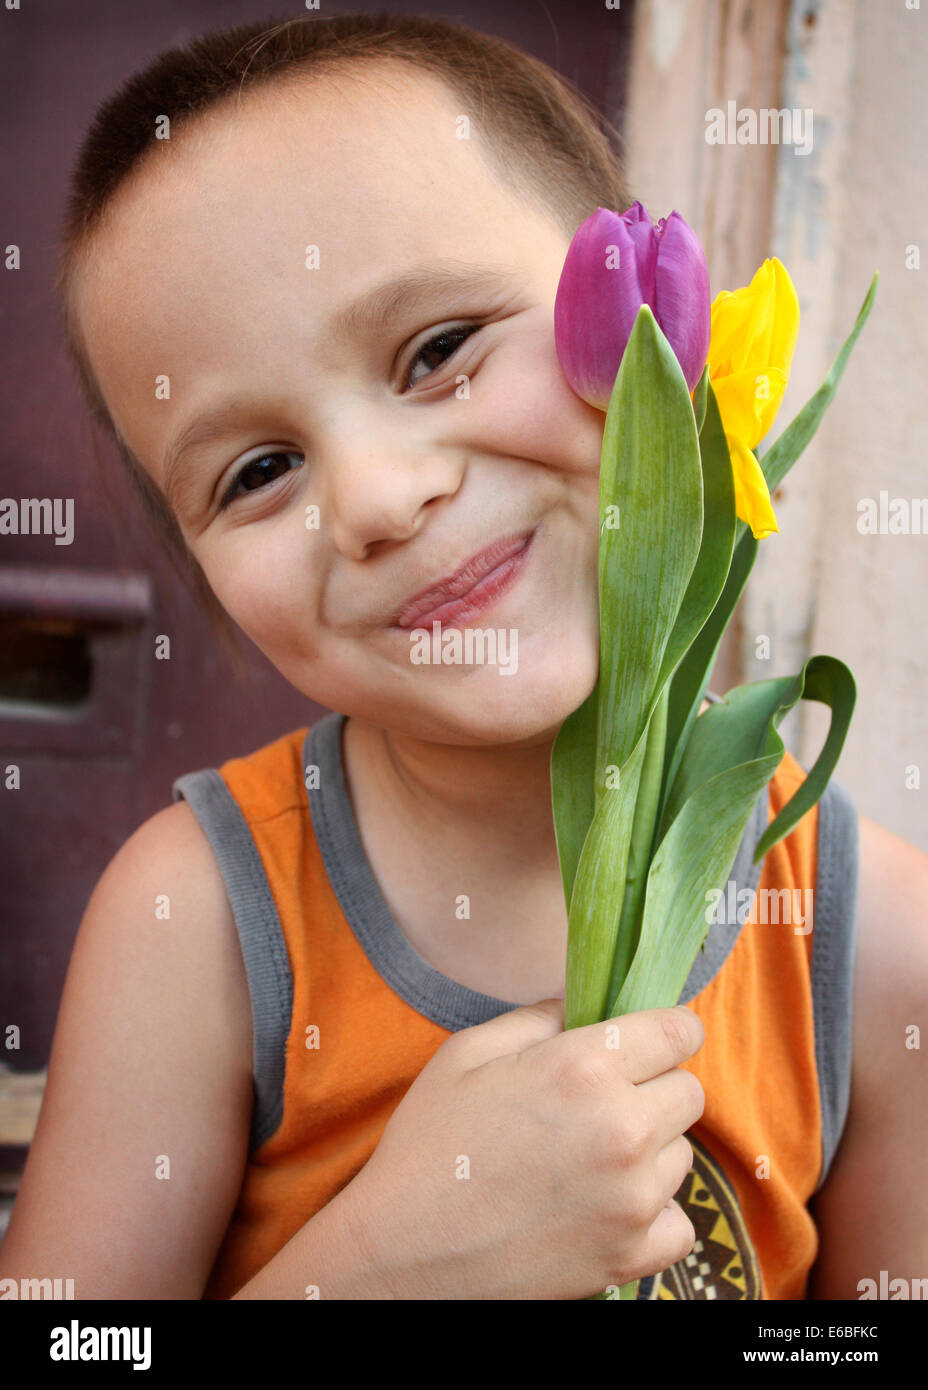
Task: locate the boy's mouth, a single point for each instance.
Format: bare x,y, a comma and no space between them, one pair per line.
481,579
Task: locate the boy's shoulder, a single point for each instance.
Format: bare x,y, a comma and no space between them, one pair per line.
155,973
892,927
868,1213
168,867
166,847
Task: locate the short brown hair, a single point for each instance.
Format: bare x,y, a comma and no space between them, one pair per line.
542,135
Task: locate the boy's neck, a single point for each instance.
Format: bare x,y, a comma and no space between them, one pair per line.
469,798
438,822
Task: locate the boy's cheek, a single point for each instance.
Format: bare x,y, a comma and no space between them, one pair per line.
268,590
529,411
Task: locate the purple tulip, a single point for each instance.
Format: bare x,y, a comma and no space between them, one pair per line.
614,265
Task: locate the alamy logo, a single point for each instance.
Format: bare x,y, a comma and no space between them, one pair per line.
36,1288
892,516
38,516
471,646
892,1288
76,1343
728,905
770,125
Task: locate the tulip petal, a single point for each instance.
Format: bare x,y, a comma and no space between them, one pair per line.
748,402
728,326
615,264
755,326
636,213
752,496
786,318
598,298
760,304
770,387
642,236
742,324
682,295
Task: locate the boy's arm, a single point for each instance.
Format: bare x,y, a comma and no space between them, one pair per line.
151,1065
871,1212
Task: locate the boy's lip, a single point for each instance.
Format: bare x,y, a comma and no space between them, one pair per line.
464,578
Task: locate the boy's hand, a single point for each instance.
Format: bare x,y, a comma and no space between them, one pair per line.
529,1162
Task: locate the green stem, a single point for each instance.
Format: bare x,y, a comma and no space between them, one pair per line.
639,855
639,858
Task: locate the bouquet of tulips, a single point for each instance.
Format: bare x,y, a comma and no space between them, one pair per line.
650,797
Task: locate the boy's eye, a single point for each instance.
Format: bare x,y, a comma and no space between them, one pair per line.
253,475
438,349
267,468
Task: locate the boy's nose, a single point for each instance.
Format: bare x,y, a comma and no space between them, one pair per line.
376,494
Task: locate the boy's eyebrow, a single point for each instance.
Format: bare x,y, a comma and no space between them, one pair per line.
375,309
405,291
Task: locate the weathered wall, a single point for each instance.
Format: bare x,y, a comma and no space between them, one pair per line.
852,205
868,592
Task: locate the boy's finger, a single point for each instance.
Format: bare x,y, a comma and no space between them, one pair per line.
643,1044
511,1032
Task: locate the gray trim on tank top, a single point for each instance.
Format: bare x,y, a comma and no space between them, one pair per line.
270,979
834,943
455,1006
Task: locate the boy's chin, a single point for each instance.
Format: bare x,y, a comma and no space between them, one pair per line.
527,707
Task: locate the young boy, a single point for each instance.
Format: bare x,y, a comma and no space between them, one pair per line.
319,319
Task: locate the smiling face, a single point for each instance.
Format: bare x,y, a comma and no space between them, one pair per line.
417,453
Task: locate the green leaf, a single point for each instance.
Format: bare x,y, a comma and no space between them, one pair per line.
691,679
702,593
829,681
707,585
699,397
573,763
651,471
599,888
644,824
733,751
669,582
695,856
715,549
735,731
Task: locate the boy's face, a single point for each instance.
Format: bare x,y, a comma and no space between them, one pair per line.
200,280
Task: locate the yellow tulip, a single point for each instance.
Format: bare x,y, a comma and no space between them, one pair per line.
753,336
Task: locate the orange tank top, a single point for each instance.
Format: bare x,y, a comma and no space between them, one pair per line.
346,1013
